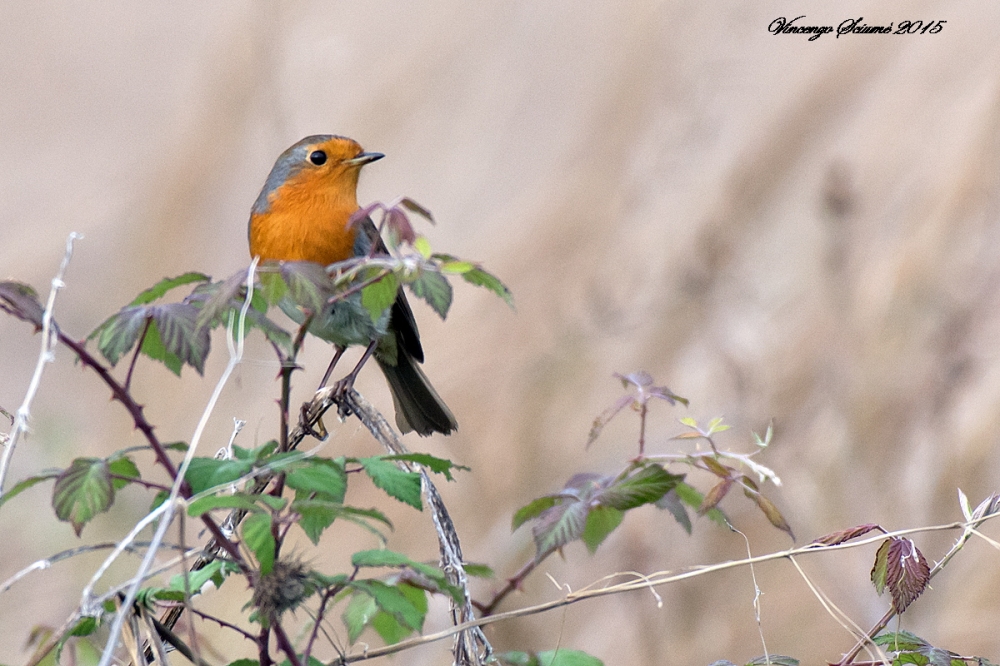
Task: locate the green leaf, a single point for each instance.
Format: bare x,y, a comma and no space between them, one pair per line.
123,466
82,491
258,538
317,515
21,300
423,246
391,599
23,485
380,295
481,278
358,614
381,557
203,505
214,572
559,526
160,289
386,624
244,662
457,267
478,570
533,509
601,521
644,487
119,332
559,657
206,473
308,284
434,288
436,465
319,475
175,337
400,485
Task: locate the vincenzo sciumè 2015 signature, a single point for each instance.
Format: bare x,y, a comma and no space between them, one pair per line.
852,26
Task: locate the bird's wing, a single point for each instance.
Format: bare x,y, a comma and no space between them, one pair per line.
401,316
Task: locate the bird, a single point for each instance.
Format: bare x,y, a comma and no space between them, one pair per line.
303,213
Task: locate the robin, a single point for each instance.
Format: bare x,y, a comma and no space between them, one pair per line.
302,214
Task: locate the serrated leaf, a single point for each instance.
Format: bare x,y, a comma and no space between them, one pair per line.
308,284
380,295
160,289
400,485
481,278
258,538
559,525
216,299
24,484
881,566
125,467
317,515
842,536
906,572
457,267
901,640
533,509
672,503
82,491
388,627
318,475
689,422
206,473
358,614
434,464
203,505
391,599
434,288
119,332
601,521
175,337
21,300
645,486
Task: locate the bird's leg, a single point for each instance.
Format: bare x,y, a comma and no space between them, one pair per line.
342,386
333,363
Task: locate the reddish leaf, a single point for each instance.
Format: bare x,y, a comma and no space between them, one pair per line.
605,417
716,468
902,568
715,495
842,536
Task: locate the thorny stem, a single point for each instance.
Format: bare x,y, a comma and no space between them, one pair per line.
328,594
513,583
286,645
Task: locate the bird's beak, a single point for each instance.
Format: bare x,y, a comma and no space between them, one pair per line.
363,159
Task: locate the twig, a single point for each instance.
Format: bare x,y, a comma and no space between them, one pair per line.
467,642
642,583
235,356
45,355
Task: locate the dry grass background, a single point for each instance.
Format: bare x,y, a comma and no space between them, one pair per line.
775,228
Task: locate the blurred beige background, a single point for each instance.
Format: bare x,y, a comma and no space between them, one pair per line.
773,227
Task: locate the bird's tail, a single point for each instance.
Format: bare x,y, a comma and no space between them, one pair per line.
418,406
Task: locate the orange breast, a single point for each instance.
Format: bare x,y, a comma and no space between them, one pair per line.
306,221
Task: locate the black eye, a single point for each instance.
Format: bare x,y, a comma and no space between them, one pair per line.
317,157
